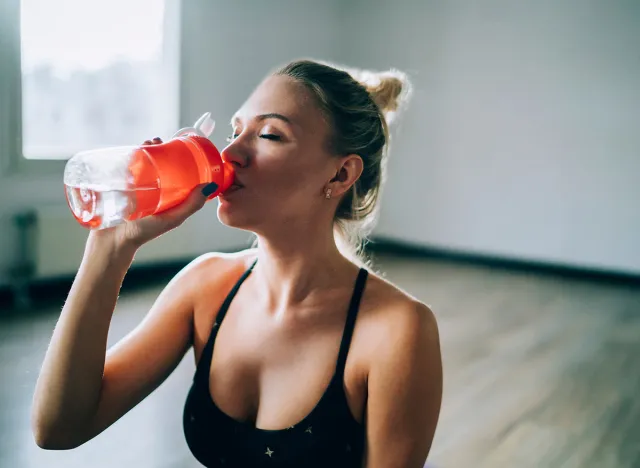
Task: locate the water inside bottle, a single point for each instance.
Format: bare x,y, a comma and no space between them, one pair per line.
98,207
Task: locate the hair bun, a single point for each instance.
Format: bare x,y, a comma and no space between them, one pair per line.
388,89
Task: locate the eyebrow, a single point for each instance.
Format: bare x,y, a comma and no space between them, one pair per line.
261,117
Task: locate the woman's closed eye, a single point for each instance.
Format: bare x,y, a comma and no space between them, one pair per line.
270,136
266,136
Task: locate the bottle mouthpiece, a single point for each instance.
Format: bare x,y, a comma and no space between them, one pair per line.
205,125
229,176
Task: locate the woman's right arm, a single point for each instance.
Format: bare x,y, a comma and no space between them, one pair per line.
82,389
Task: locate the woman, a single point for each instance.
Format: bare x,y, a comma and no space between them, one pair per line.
317,362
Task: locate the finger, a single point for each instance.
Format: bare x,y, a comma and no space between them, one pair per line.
194,202
154,226
147,142
157,140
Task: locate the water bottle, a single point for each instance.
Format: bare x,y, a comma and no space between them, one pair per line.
108,186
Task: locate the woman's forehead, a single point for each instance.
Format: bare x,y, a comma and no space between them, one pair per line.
284,97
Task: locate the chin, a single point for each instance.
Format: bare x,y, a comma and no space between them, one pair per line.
234,217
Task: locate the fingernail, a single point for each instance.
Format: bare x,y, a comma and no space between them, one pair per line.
209,189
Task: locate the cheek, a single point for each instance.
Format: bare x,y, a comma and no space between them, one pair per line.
298,175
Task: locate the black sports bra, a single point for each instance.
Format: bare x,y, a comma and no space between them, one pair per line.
329,436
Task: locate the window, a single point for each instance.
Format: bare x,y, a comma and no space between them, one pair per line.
92,74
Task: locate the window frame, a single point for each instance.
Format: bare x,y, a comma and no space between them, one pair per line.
12,160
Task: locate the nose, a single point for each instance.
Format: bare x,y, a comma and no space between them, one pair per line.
235,154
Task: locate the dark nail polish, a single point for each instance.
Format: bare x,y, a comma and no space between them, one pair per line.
209,189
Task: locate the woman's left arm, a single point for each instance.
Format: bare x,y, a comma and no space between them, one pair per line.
404,390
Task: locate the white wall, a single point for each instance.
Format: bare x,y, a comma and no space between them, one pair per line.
521,141
523,138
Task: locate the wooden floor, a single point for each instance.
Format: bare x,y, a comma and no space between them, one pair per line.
540,371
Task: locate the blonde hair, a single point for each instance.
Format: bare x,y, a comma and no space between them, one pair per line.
359,105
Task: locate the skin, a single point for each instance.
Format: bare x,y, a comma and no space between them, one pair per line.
277,347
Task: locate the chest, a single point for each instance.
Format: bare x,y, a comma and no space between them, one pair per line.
273,374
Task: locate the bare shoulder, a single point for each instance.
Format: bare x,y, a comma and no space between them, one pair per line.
205,280
395,321
209,279
220,260
214,268
390,306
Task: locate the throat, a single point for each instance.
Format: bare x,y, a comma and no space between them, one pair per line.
300,289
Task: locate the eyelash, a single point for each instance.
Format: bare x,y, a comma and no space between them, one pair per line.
266,136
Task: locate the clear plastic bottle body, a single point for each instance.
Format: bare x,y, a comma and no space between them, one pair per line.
109,186
100,188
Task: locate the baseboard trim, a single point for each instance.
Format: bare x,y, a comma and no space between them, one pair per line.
405,249
55,290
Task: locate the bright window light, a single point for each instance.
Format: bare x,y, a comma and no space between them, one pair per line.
94,74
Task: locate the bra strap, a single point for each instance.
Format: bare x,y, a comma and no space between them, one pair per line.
358,291
207,352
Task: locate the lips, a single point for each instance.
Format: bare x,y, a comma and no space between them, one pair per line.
236,182
235,186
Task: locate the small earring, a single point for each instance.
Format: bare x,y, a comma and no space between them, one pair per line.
327,194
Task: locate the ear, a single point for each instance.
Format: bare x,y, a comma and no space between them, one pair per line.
348,171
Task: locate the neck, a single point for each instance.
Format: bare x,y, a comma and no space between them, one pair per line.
298,267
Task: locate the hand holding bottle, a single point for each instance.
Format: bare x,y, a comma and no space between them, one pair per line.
131,235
